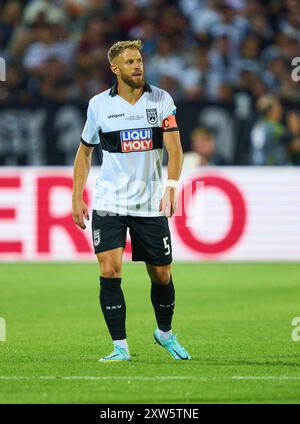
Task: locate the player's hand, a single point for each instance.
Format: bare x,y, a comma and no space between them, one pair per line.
168,203
79,212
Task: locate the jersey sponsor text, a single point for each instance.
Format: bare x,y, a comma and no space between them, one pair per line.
136,140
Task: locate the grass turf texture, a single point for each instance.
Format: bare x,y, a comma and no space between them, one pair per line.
234,319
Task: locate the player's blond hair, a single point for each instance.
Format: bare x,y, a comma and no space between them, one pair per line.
120,46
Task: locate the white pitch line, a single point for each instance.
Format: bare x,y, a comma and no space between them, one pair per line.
143,378
87,377
266,377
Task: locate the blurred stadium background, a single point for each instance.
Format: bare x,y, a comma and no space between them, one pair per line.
216,58
229,66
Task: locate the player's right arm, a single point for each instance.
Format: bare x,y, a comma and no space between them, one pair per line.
82,165
81,171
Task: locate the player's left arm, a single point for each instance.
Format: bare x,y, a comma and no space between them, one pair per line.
172,143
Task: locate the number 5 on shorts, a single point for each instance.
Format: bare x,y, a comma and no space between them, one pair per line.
167,245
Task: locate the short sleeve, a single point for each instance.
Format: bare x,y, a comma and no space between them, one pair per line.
168,106
168,113
90,131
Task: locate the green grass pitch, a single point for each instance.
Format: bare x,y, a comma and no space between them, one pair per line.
234,319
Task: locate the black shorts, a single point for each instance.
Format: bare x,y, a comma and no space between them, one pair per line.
150,236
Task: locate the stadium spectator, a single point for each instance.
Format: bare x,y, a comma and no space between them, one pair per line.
276,71
15,89
165,61
203,149
10,19
198,79
293,122
43,11
54,81
203,16
293,136
87,83
145,30
261,28
268,133
51,41
129,17
221,58
91,47
231,23
290,21
294,150
248,55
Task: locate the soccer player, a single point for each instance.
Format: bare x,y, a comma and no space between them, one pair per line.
131,122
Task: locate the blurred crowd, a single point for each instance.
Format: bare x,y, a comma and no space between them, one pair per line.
196,49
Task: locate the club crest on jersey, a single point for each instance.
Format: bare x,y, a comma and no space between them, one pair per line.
96,237
152,116
136,140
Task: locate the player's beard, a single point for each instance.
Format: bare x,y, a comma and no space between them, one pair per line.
133,84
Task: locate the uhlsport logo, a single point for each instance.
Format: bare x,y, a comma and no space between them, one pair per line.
136,140
116,115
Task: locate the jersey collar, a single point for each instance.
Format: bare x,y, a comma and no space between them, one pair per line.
114,89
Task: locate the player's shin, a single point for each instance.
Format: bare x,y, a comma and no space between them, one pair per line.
113,307
163,301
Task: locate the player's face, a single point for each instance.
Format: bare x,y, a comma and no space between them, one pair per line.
129,67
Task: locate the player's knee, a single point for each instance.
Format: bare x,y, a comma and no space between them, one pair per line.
162,276
111,271
164,280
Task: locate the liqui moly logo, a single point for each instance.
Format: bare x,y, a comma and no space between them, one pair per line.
136,140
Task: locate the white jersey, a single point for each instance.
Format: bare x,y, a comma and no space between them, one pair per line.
131,138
